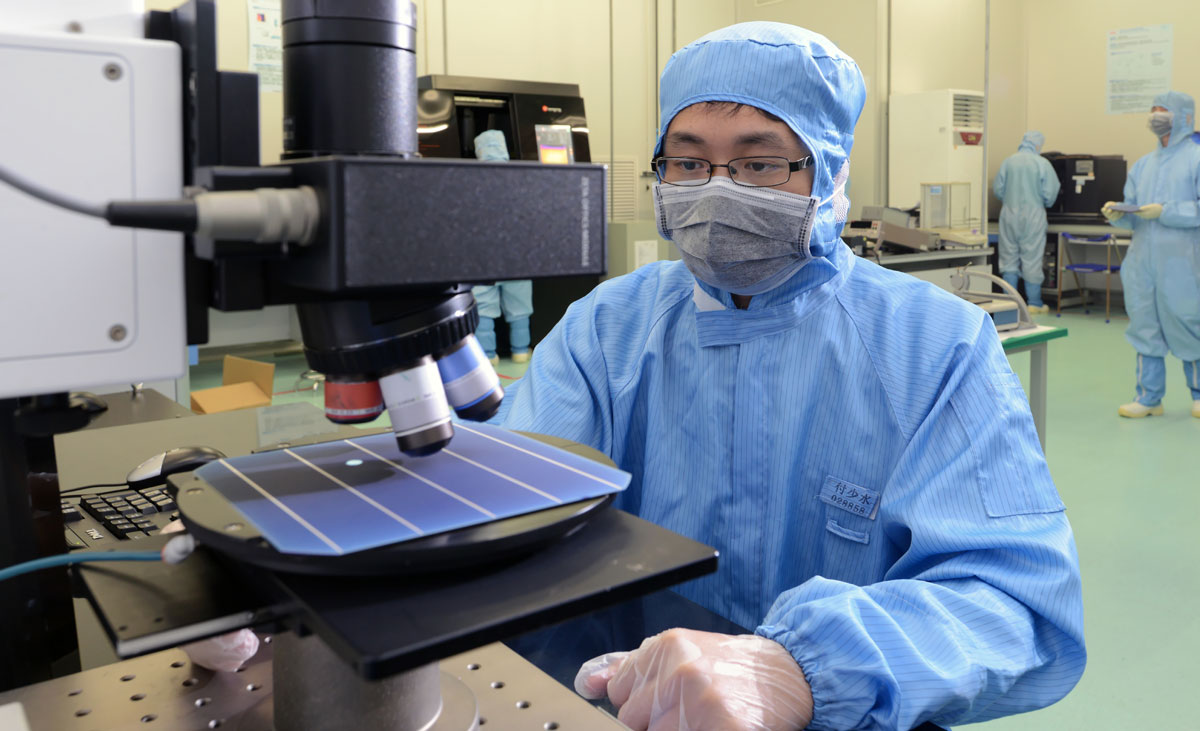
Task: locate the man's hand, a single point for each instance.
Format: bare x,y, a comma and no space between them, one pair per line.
684,680
1149,212
1109,214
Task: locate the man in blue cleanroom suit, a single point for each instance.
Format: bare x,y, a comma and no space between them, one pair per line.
1027,185
850,438
1161,272
513,299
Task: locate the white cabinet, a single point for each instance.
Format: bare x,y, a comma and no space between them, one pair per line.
934,137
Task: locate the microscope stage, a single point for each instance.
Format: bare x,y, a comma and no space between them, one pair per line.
386,625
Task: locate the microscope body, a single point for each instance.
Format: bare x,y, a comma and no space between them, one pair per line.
383,291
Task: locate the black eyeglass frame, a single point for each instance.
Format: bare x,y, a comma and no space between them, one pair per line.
792,166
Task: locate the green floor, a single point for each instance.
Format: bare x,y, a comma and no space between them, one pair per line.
1132,489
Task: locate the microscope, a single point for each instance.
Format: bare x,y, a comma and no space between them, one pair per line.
377,249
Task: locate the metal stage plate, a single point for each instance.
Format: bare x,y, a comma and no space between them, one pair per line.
159,691
165,690
385,626
147,606
514,694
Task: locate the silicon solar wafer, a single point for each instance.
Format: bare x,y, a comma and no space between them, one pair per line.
346,496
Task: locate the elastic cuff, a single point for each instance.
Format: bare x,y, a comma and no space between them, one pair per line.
810,666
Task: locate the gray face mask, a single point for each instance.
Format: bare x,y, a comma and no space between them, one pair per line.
1160,123
738,239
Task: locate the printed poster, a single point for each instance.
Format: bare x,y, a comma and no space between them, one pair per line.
1139,67
266,44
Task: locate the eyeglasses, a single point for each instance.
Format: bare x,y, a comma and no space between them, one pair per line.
752,172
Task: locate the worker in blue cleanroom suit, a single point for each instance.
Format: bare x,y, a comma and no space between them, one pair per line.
1161,272
1027,185
850,438
513,299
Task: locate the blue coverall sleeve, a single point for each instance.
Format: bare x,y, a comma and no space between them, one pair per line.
1184,213
1128,221
998,182
1050,184
981,616
565,392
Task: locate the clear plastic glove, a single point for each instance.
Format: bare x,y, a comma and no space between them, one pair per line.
1149,212
225,652
685,680
591,681
1109,214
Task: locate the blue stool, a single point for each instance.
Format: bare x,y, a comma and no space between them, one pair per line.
1108,268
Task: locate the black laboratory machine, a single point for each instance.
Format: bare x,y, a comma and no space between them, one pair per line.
1086,182
541,121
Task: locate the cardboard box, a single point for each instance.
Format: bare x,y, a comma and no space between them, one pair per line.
246,384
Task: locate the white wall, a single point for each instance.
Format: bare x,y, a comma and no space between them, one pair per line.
858,27
937,44
900,46
1007,90
694,18
1067,71
638,40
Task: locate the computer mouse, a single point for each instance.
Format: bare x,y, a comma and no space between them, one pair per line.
88,401
155,470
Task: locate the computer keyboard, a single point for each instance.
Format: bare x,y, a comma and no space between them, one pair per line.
98,519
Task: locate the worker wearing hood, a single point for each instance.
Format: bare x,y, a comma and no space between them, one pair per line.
1161,273
1027,185
851,439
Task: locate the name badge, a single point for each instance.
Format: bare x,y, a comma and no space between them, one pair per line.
850,497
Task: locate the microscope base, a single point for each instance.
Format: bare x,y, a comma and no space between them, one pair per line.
315,690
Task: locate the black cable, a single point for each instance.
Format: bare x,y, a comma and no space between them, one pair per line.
89,487
178,215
